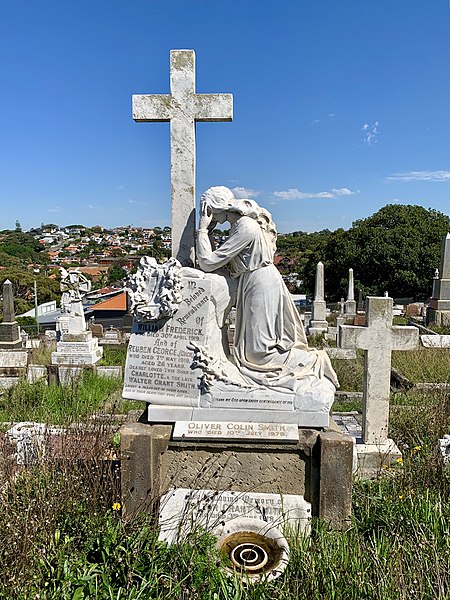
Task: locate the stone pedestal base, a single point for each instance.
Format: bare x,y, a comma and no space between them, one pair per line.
77,349
350,307
317,467
9,336
317,327
171,414
438,316
372,459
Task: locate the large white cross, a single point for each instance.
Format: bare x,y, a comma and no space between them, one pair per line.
182,107
378,339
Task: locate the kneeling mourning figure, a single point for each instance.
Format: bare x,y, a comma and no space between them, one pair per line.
179,356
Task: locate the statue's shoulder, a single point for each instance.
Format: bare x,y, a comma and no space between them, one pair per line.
247,225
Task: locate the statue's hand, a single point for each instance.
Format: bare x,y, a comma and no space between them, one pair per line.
212,225
205,217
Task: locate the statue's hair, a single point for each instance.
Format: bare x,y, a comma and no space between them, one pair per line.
221,199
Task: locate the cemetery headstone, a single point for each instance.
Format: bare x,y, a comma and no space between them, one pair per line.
50,335
77,345
350,304
438,311
112,336
360,307
412,310
13,365
9,329
318,322
178,358
378,338
97,330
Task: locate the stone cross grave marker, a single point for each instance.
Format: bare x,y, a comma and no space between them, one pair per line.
378,338
183,108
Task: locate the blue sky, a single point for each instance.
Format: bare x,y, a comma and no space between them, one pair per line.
339,107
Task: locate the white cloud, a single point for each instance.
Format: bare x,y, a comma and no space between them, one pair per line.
137,202
370,133
91,206
242,192
421,176
295,194
54,209
342,192
315,121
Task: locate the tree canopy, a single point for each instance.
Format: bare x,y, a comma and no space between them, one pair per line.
396,249
23,246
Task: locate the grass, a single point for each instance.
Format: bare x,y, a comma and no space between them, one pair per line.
350,372
427,365
113,355
423,365
62,539
61,535
43,354
58,405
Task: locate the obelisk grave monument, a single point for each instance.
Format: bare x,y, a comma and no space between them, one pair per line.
438,311
9,329
183,107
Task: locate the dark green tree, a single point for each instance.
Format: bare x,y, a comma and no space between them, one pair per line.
396,249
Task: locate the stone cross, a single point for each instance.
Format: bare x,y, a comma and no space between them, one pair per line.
183,108
378,338
350,305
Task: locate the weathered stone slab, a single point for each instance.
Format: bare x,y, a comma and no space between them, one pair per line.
235,430
158,367
13,359
115,371
341,353
435,341
69,374
36,373
7,383
97,330
77,358
170,414
77,347
183,510
111,336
